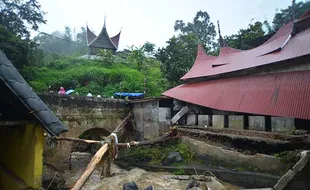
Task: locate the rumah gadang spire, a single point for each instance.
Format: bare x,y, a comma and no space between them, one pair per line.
221,40
102,41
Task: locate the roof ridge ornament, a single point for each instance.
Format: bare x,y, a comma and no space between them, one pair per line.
104,24
221,40
293,17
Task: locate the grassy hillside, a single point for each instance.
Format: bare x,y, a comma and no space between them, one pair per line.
96,77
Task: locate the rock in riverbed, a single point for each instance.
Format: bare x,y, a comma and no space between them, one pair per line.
173,157
130,186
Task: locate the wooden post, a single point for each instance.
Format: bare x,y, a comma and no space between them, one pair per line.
98,156
90,167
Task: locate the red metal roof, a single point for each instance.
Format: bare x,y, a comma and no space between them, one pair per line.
232,60
279,94
202,63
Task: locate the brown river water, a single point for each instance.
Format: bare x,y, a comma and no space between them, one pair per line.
142,178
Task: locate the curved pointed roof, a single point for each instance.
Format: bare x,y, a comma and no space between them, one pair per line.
90,36
115,39
103,40
202,63
280,47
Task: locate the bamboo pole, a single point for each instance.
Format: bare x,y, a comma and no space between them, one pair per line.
132,143
72,139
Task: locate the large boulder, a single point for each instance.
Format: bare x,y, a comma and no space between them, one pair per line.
173,157
130,186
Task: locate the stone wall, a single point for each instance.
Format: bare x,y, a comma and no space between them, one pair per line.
80,114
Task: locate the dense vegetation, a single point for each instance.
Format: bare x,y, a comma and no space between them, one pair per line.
96,77
51,60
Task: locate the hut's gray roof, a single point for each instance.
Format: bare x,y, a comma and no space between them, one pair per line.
103,40
19,102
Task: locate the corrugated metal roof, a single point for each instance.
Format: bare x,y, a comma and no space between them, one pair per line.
278,94
28,98
231,61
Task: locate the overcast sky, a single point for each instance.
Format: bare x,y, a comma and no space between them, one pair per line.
153,20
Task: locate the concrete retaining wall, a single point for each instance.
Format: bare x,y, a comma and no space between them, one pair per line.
151,120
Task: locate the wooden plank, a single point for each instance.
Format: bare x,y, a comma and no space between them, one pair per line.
290,174
178,116
124,122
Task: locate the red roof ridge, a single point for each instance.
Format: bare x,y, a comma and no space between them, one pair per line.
284,30
201,54
202,62
228,50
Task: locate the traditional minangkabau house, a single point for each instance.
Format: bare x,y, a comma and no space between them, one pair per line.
102,41
23,120
266,88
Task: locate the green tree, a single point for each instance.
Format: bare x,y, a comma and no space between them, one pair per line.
202,27
285,15
15,19
178,56
244,36
149,49
107,57
137,57
17,16
81,36
63,42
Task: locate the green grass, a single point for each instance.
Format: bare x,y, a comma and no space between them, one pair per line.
158,153
96,77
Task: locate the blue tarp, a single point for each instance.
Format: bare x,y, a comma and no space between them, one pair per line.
129,94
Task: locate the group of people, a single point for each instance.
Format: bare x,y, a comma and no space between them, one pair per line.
63,91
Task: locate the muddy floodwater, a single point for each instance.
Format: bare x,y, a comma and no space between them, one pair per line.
143,179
